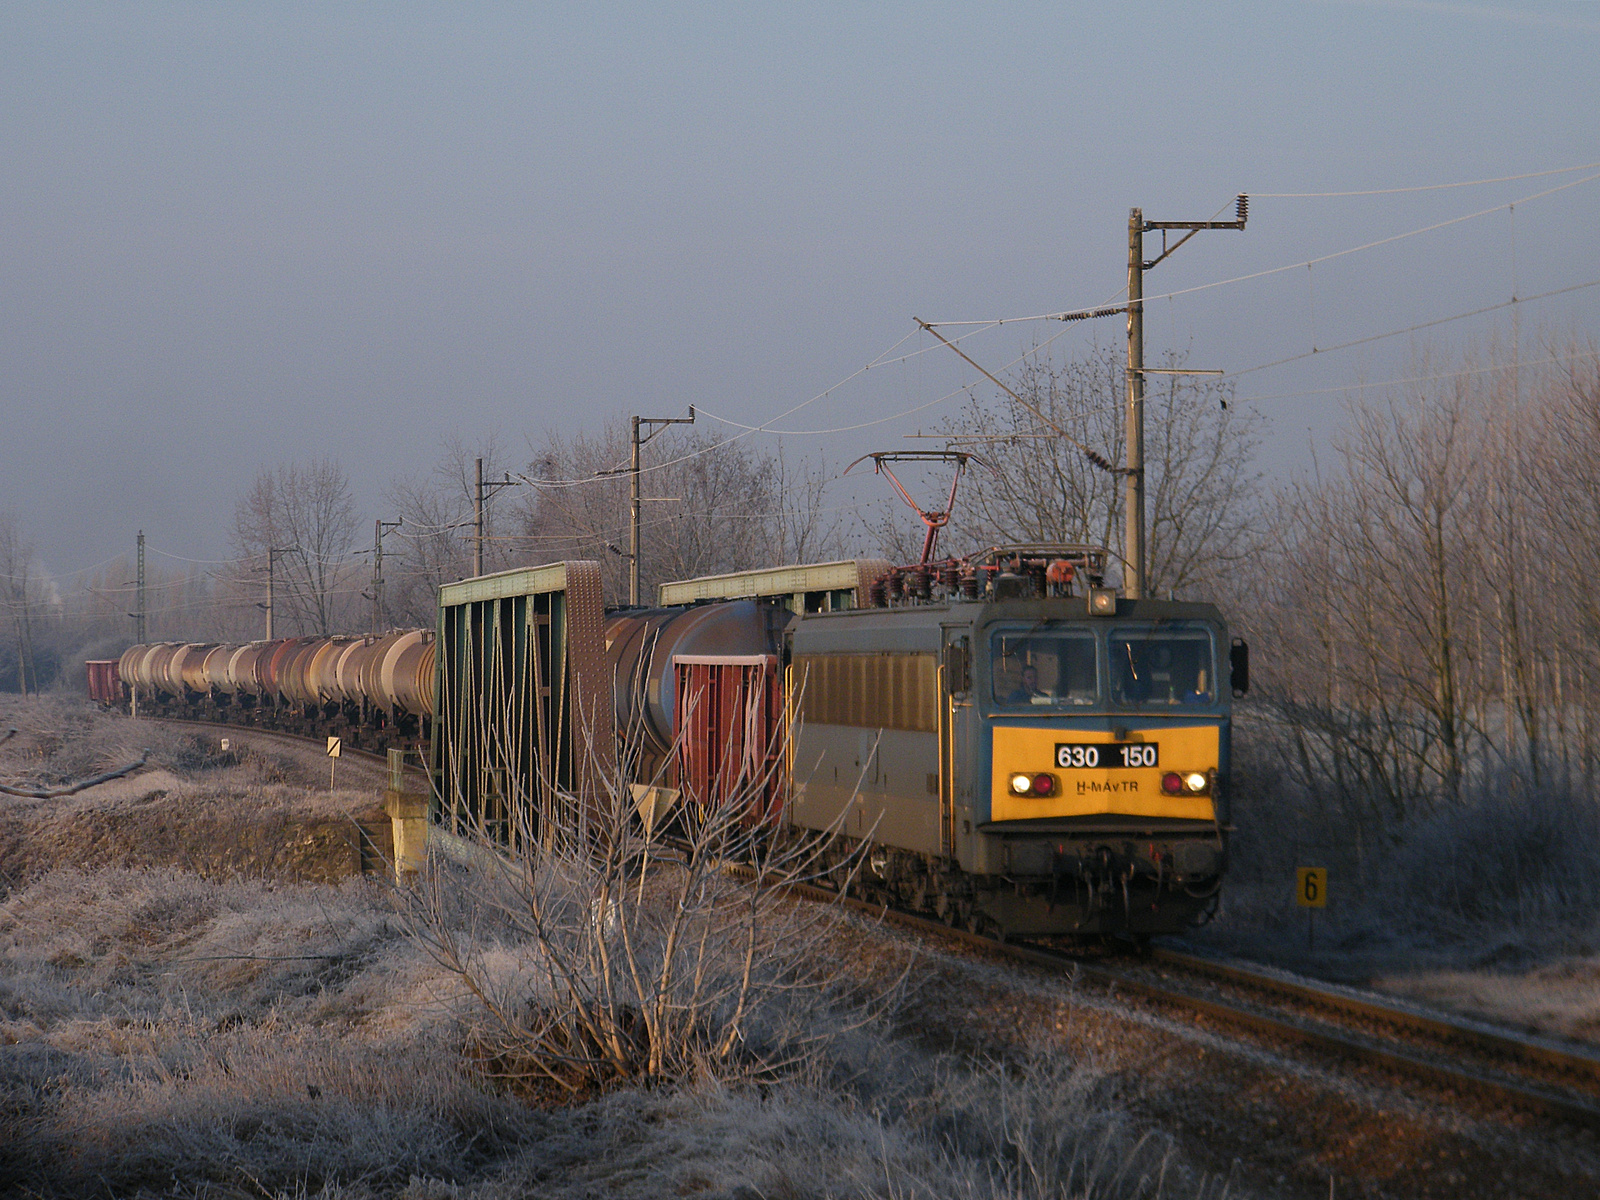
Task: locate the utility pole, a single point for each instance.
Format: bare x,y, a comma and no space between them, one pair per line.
633,519
139,612
1134,580
634,499
273,554
1133,480
478,497
377,570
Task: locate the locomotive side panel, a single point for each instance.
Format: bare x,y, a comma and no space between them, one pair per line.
867,742
879,780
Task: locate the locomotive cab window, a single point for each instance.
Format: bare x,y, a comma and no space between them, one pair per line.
1168,665
1044,668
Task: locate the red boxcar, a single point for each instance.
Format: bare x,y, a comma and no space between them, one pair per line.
105,685
730,732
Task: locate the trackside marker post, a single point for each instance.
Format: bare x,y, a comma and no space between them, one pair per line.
1311,893
333,753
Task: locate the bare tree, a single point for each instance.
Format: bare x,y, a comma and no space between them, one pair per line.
1203,486
22,601
1044,489
710,506
309,513
1201,482
434,539
806,529
1561,471
1426,599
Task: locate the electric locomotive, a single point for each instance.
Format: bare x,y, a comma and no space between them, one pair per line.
995,745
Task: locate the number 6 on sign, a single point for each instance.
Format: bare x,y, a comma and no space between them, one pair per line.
1311,887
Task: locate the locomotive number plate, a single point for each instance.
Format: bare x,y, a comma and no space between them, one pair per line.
1090,755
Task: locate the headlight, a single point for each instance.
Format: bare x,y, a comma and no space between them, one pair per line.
1195,782
1042,784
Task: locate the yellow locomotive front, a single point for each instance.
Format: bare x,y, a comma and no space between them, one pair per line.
1099,759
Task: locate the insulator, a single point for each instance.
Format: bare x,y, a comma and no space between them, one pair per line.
950,576
1244,208
1060,573
971,585
896,585
917,583
875,593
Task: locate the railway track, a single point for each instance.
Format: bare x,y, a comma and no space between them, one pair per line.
242,732
1464,1058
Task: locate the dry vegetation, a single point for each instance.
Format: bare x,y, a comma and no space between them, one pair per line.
1483,905
256,810
238,1033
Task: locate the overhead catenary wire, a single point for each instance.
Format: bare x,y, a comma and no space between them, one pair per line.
882,360
1318,351
1425,187
1431,377
1078,314
964,389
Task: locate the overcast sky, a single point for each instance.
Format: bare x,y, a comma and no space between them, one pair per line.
239,235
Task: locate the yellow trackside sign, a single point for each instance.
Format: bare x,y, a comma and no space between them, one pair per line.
1093,772
1311,887
333,747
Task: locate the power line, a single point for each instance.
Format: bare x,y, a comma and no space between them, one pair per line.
1426,187
1378,337
1350,387
881,360
1078,314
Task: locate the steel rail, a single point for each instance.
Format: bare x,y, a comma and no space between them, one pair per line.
1316,1034
1528,1048
227,729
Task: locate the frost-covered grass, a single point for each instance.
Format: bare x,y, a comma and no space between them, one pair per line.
162,1034
1497,886
202,1029
253,809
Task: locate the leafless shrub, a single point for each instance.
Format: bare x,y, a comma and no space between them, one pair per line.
169,1035
601,955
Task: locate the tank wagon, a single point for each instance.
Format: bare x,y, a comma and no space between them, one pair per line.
375,691
1020,750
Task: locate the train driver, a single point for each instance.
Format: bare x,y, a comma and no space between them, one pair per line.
1027,688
